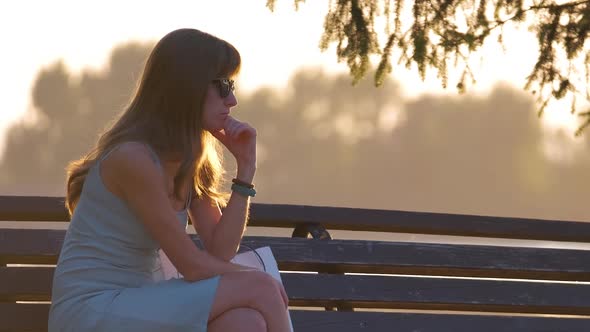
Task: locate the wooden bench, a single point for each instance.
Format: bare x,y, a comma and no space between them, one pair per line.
362,285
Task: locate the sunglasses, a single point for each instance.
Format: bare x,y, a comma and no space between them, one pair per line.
225,86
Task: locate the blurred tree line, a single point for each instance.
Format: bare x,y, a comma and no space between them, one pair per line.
325,142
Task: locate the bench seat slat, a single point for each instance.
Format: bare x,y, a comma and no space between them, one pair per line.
33,318
42,246
33,284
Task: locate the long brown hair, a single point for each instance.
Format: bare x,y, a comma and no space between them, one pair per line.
166,112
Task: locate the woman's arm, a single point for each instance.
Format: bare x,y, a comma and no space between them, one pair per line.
131,174
221,233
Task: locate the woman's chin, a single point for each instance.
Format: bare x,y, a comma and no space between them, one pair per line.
213,128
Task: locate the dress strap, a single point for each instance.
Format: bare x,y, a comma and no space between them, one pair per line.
155,157
106,154
189,197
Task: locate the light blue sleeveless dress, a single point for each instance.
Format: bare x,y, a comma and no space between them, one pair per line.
106,277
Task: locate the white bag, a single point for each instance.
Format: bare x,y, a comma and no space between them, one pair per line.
261,259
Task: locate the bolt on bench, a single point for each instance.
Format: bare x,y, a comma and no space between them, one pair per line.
360,285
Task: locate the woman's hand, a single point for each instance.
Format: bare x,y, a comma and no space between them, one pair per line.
283,293
240,139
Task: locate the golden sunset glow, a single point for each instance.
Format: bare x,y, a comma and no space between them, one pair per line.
273,45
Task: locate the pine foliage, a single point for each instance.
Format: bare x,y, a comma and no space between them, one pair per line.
444,34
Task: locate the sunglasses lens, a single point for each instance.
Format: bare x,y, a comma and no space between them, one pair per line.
224,91
225,87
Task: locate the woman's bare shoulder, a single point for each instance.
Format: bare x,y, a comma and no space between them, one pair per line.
129,162
129,154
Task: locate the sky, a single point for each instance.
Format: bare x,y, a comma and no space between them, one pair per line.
273,45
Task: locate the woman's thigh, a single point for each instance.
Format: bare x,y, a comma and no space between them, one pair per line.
171,305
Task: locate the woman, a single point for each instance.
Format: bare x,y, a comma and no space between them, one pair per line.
131,195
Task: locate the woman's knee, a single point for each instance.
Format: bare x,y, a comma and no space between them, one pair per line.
246,289
239,319
266,290
252,320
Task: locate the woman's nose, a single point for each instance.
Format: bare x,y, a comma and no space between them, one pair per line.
231,100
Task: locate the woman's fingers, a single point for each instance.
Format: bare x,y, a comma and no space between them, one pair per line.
235,128
231,126
244,129
283,294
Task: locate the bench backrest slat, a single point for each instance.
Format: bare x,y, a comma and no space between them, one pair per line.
370,291
317,321
32,208
23,317
41,246
32,318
